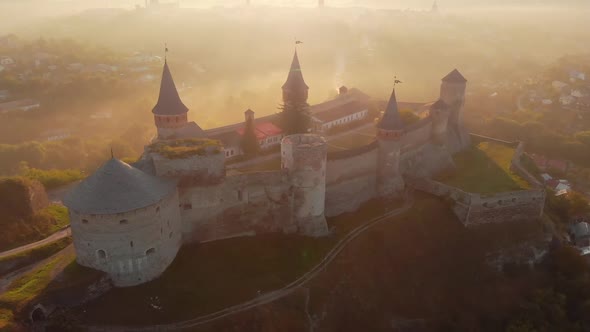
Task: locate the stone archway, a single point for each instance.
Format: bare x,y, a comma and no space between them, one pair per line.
38,314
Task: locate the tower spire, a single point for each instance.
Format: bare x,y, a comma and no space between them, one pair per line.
169,102
295,90
391,119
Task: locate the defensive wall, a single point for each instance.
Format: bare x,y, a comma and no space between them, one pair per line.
474,209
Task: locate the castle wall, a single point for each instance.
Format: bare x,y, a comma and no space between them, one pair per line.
206,166
245,204
417,135
132,247
517,205
426,160
349,194
351,180
475,209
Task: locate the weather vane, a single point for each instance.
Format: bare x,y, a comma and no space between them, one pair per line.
165,52
396,81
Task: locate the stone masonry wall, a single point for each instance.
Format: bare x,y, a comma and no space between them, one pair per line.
205,167
244,204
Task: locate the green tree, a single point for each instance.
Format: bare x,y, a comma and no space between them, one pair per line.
249,141
295,118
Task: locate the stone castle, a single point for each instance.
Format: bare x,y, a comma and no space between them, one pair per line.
130,220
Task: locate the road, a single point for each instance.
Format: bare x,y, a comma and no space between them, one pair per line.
65,232
274,295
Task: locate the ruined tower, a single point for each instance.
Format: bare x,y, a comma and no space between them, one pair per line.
304,160
452,93
295,90
170,114
390,131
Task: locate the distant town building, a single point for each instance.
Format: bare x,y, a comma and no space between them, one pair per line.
558,85
577,75
6,61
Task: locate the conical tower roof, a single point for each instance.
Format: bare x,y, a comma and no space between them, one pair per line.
454,77
391,119
169,102
117,187
295,79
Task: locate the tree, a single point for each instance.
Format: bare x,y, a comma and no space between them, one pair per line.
295,118
249,142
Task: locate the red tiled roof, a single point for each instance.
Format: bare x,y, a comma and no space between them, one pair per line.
263,130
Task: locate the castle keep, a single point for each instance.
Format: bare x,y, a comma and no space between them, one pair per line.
130,220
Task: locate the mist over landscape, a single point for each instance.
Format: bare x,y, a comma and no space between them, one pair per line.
295,165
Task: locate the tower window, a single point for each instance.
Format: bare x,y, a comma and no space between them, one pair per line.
101,254
150,251
131,244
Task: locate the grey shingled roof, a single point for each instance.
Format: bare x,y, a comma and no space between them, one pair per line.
117,187
454,77
169,102
391,120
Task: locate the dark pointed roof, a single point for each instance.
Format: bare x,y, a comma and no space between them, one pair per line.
454,77
295,79
117,187
169,102
391,120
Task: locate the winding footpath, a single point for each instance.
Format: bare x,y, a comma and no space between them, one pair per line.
64,232
274,295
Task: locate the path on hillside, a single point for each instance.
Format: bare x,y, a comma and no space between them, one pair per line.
9,278
273,295
65,232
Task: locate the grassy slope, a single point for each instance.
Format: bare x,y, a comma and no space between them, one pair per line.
15,262
485,169
422,266
18,232
208,277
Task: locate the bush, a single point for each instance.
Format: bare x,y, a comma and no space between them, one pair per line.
53,178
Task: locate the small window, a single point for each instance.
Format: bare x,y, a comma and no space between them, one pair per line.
123,221
101,254
185,207
131,244
150,251
158,209
84,221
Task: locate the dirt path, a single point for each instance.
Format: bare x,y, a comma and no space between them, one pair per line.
9,278
52,238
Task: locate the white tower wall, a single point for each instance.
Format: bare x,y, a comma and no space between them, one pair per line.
132,247
304,158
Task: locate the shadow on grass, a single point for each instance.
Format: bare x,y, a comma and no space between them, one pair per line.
208,277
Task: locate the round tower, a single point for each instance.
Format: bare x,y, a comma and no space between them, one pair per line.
304,160
125,222
390,131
